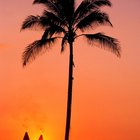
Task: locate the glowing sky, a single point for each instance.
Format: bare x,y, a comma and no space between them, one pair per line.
106,92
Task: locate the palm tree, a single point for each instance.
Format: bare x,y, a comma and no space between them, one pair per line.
62,20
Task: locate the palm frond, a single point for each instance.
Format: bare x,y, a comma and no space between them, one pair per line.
39,1
54,19
33,49
50,4
64,42
45,22
34,21
53,29
105,42
100,3
30,22
95,18
68,8
87,6
83,9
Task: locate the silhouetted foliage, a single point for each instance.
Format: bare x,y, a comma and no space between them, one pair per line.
62,20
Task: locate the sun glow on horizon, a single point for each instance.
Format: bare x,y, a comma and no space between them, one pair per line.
38,135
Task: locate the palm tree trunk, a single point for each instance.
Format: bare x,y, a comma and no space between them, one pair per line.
69,102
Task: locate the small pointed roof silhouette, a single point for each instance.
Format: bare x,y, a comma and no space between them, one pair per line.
26,137
41,137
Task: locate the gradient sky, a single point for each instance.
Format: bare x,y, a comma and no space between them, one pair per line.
106,92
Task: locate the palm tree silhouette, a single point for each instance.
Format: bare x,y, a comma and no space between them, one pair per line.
61,20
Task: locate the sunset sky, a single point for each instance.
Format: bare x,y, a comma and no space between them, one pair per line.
106,91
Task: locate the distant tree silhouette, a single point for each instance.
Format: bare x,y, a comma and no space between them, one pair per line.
26,137
61,20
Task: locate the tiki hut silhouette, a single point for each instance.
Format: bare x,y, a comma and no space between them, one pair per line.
41,137
26,137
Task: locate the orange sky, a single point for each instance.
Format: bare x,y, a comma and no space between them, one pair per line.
106,92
